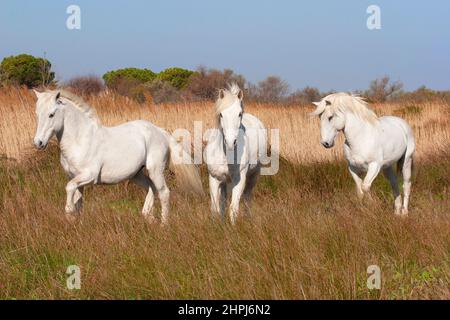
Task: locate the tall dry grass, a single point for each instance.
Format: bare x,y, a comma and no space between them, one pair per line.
299,133
308,237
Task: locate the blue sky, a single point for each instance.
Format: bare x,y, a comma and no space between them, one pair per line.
318,43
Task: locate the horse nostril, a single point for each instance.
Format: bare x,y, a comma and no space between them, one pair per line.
234,143
38,143
325,144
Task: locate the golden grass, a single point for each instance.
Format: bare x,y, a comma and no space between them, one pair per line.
299,133
308,238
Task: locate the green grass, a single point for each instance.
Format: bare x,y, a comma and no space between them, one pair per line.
308,237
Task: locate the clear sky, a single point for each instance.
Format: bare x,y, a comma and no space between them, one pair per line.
318,43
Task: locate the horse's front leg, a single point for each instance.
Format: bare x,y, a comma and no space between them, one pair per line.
238,181
72,187
215,190
372,172
78,199
358,181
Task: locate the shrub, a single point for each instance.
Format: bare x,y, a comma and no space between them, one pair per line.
305,96
382,89
273,89
177,77
130,82
86,85
204,83
162,91
26,70
139,75
423,94
131,88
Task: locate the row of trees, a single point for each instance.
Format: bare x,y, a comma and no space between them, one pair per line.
178,84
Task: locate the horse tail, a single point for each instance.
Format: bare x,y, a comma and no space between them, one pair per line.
186,172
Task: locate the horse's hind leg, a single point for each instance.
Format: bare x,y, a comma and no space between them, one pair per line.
390,175
249,186
156,175
406,171
143,181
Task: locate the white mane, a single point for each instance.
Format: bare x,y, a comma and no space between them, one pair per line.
346,102
78,103
230,94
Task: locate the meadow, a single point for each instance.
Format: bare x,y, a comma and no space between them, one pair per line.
309,237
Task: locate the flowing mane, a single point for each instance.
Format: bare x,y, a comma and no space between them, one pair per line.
226,98
343,102
78,103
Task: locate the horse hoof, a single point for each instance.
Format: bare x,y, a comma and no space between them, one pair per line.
404,212
70,209
150,219
71,217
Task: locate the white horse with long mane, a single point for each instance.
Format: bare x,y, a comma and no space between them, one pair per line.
371,143
95,154
233,152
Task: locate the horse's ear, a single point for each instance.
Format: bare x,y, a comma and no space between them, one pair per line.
37,93
221,94
318,110
57,98
240,94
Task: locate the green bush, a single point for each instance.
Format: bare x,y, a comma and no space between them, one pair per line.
140,75
26,70
177,77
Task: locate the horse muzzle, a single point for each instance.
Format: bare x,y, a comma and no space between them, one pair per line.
39,144
327,145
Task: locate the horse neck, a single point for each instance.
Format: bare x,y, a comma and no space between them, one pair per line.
77,130
356,131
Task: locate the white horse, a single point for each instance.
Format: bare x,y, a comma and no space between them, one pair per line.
233,152
371,143
95,154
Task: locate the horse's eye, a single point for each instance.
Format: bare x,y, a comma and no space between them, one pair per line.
51,115
240,115
220,115
330,117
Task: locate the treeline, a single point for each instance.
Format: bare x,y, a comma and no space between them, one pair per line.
178,84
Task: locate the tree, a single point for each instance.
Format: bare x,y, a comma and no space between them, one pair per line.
139,75
382,89
272,89
177,77
26,70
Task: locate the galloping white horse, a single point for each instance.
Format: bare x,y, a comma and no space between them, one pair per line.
95,154
371,143
233,152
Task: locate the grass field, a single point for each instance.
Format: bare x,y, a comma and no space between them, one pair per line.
309,236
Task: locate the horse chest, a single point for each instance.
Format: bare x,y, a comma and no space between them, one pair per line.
355,159
70,167
219,171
